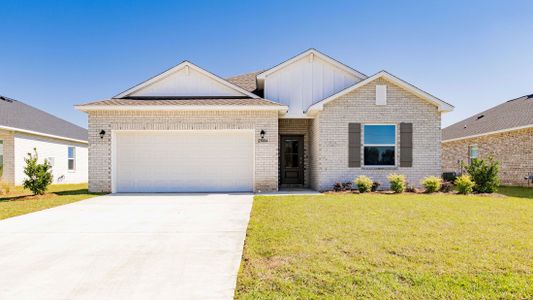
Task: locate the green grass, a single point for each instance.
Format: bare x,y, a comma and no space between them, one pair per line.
389,246
516,191
20,201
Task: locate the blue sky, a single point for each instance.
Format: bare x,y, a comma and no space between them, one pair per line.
54,54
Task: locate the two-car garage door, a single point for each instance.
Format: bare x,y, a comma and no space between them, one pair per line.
183,161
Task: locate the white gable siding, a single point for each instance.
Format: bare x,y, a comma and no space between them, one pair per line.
186,82
51,148
305,82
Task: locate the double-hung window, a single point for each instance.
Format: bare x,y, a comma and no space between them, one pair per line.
379,143
472,152
71,158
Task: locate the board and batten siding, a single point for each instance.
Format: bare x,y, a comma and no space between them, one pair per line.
306,82
51,148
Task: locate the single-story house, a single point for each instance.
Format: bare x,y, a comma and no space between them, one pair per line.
309,121
23,128
504,132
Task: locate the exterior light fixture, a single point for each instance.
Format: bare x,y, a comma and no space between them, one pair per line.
262,133
102,133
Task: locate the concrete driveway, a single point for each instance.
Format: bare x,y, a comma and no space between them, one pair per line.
126,246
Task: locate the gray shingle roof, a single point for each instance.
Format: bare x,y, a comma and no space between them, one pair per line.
183,101
19,115
513,113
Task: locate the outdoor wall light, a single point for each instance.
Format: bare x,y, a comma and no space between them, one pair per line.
262,133
102,133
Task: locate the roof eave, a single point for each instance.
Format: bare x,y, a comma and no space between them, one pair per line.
21,130
89,108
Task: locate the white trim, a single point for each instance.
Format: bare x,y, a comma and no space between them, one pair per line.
312,52
114,161
177,68
86,108
395,145
488,133
443,106
42,134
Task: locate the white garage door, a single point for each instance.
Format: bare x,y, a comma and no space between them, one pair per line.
184,161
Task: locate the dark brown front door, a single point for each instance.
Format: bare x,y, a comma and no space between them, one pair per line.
292,162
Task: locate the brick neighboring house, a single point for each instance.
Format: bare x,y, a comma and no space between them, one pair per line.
309,121
504,132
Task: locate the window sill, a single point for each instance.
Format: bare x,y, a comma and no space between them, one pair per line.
379,168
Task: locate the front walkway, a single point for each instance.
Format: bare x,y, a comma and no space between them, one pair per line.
126,246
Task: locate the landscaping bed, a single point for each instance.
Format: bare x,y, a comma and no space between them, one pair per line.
402,246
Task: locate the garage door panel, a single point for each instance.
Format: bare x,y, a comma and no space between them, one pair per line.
184,161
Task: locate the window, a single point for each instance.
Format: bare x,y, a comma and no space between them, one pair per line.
1,158
379,145
71,158
472,152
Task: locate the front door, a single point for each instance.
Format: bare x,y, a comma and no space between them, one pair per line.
292,162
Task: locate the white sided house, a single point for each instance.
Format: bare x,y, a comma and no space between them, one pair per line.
310,121
24,128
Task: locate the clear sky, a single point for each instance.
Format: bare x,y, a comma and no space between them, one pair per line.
54,54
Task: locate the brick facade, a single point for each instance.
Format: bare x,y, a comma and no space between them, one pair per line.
8,174
298,127
329,135
266,153
513,149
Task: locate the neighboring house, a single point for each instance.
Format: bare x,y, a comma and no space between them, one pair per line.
310,121
504,132
23,128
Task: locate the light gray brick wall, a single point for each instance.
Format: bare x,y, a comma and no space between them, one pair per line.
8,174
298,127
329,135
513,149
266,153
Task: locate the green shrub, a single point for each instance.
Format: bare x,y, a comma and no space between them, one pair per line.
397,182
39,176
484,173
464,184
364,184
431,183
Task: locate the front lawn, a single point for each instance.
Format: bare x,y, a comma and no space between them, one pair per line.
388,246
20,201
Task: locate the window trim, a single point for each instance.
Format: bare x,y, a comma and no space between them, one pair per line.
395,145
73,159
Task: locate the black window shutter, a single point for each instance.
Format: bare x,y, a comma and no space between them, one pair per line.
354,145
406,144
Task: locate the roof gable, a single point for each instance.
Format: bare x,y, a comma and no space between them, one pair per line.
186,80
442,106
311,54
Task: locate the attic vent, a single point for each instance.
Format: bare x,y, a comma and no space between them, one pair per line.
480,116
